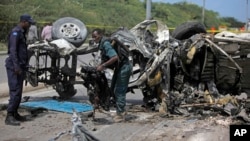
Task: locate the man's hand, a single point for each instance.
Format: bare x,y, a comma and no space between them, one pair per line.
100,67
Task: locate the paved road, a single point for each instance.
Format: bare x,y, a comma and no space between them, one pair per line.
140,125
2,69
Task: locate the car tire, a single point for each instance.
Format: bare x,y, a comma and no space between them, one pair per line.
69,91
70,29
188,29
31,76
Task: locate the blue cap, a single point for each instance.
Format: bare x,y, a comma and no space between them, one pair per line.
27,18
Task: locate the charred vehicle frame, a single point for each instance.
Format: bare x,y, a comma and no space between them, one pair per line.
186,67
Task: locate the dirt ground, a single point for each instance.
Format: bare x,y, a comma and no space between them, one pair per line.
42,127
140,125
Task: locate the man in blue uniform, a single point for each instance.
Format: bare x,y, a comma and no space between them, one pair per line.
16,64
121,75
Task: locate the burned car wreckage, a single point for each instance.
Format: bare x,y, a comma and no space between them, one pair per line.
177,73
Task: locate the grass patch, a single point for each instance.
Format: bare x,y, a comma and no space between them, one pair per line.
3,47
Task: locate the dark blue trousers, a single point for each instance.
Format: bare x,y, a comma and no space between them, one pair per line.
15,82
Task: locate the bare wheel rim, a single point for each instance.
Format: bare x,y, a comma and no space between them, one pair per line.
70,30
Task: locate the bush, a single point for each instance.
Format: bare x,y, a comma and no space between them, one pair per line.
3,47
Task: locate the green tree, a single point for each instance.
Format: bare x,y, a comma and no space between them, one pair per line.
106,14
232,22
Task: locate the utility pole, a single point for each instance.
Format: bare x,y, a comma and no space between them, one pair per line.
148,10
247,21
203,11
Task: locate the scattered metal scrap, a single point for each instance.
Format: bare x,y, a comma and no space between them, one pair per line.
79,132
58,135
208,78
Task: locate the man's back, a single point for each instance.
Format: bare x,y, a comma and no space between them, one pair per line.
46,33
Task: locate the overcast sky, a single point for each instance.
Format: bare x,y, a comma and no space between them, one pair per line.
226,8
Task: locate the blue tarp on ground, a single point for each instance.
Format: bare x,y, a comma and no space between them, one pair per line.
61,106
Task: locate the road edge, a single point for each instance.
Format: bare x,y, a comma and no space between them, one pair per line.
5,89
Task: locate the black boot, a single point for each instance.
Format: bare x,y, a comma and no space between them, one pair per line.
10,120
18,117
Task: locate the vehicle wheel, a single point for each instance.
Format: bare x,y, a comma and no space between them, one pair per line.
70,29
32,74
188,29
65,91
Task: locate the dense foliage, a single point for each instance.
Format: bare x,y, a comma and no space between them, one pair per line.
106,14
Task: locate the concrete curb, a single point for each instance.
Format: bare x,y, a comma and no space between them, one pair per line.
5,89
3,52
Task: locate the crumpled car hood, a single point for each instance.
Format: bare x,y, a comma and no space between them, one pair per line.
162,30
226,35
136,37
